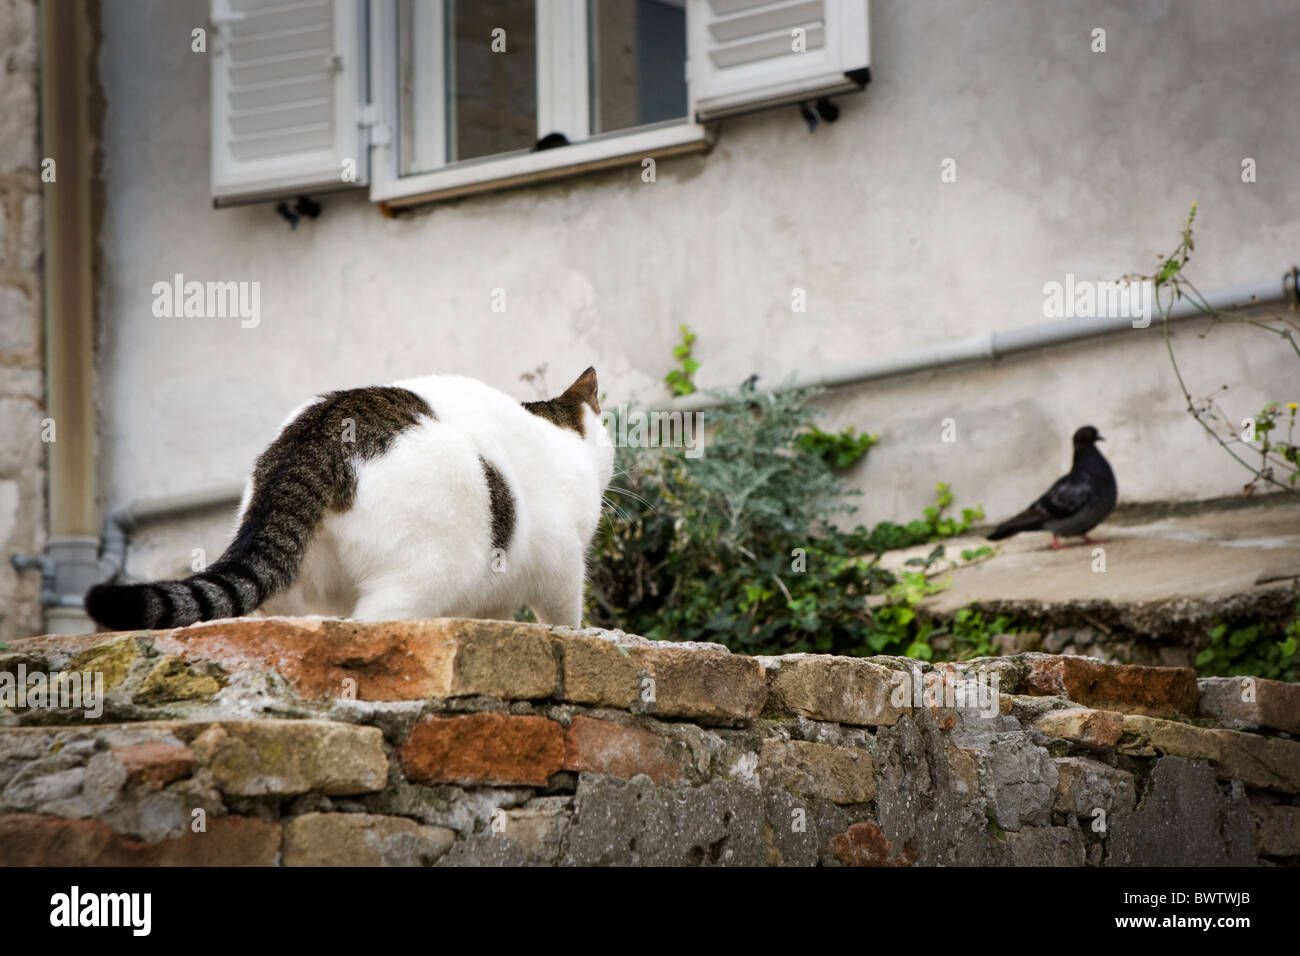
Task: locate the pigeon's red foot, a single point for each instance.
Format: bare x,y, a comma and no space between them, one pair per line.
1056,543
1088,540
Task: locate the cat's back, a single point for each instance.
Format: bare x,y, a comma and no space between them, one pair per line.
468,405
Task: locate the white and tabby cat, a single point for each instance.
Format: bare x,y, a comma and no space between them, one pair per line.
432,497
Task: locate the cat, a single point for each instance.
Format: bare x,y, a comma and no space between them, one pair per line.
432,497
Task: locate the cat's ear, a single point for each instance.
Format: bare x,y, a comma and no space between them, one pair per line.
584,389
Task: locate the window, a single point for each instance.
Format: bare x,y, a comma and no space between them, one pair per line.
423,99
460,100
500,91
636,54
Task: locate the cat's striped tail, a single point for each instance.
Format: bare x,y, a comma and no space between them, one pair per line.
306,471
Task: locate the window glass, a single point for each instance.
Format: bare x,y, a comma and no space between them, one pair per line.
491,95
637,62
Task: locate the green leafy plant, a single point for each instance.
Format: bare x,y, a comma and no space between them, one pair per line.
1256,649
840,450
1270,419
973,636
743,546
681,380
888,536
941,527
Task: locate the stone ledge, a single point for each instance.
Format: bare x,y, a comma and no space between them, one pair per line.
447,742
325,659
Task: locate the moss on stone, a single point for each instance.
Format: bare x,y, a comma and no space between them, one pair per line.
171,679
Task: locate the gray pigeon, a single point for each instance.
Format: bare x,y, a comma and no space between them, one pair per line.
1074,505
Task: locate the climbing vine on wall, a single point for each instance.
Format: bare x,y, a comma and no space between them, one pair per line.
1257,443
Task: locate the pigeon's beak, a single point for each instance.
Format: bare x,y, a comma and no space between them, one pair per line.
1099,438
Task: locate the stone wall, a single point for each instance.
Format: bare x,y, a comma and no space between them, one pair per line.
22,384
310,741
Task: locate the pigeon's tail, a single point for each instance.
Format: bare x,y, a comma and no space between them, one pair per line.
1029,520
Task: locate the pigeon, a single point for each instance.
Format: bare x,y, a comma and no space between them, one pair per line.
1074,505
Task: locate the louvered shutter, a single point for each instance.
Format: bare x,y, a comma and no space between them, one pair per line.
742,54
287,80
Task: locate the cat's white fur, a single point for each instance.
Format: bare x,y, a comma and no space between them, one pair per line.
417,541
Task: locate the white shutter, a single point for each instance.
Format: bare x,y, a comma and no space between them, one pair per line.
742,57
287,84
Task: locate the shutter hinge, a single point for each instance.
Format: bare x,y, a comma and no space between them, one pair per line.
379,133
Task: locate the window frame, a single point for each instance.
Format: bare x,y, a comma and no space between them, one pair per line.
563,105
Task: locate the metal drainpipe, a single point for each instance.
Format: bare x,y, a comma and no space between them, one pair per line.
990,346
70,563
73,560
120,522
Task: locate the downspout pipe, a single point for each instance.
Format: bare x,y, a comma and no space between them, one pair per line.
991,346
67,46
106,558
120,522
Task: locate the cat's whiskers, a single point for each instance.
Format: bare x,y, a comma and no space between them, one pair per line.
618,512
633,495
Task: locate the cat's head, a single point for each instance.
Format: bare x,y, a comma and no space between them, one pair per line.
577,408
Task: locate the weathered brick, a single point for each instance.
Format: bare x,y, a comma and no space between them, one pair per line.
1269,763
155,763
844,690
699,684
813,770
602,746
484,749
1277,831
1084,786
596,671
1129,689
864,844
288,757
362,839
387,661
1248,703
37,840
1095,729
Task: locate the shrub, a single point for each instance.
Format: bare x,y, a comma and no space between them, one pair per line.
741,546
